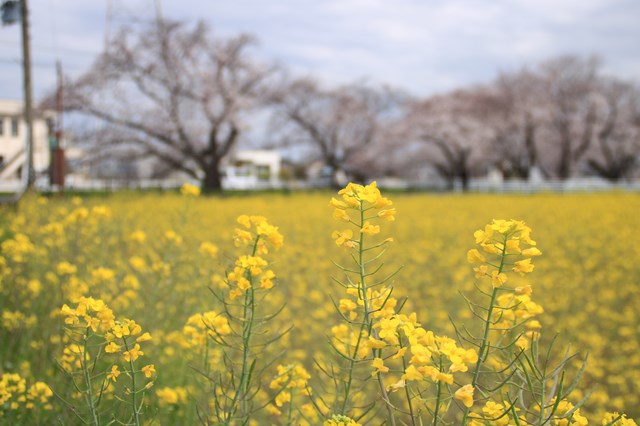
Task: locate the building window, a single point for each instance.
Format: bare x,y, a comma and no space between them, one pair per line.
1,126
243,168
263,172
14,127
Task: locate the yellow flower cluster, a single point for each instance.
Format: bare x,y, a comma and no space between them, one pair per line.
101,275
290,378
123,332
190,190
83,214
120,336
66,268
361,199
246,270
39,393
429,353
208,249
566,409
89,313
256,231
496,413
622,420
72,357
379,301
588,288
503,241
338,420
514,309
429,356
345,339
12,321
12,385
14,393
251,269
200,326
18,248
172,396
565,415
171,237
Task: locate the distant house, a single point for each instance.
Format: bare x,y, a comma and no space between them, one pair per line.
243,170
13,131
254,169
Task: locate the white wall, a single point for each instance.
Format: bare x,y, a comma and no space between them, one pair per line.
11,145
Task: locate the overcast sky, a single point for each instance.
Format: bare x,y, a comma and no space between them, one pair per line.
423,46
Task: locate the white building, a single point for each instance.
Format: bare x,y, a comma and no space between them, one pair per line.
13,133
253,169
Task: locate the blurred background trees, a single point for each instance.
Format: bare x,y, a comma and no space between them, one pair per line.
173,92
342,126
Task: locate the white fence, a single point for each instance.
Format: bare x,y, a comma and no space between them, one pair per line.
475,185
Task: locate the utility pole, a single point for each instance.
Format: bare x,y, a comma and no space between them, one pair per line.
57,166
28,109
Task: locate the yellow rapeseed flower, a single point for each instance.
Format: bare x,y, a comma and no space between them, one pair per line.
113,373
144,337
531,252
622,421
465,394
498,279
340,214
339,420
370,229
379,366
523,266
412,374
148,370
474,256
342,237
189,190
133,354
388,214
112,348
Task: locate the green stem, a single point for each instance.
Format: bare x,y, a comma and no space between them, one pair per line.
290,408
438,396
136,415
542,402
205,361
362,293
247,328
352,363
406,387
368,323
87,380
484,346
515,415
385,396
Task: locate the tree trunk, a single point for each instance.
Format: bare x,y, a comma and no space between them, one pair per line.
564,163
530,144
464,179
212,181
463,168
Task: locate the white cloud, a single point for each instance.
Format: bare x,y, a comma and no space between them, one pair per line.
422,45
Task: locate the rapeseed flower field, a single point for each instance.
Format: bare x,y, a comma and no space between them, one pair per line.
358,307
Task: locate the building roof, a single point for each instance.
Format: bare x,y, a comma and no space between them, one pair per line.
14,108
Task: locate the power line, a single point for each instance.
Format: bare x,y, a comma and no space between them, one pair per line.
75,50
40,64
